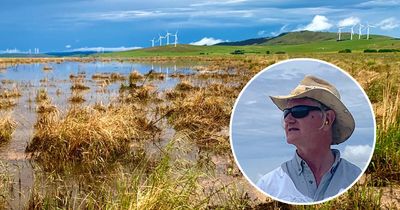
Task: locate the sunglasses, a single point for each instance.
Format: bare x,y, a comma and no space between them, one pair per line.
300,111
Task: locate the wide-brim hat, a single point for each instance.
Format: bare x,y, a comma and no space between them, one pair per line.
327,94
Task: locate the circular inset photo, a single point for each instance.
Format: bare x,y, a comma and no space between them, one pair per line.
302,131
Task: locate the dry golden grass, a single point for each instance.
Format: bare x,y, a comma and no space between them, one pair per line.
47,68
184,85
77,86
112,77
13,93
76,98
7,103
89,136
134,76
7,127
41,95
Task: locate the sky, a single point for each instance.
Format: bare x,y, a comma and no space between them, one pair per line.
50,25
257,134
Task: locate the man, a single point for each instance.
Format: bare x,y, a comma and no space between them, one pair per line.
314,118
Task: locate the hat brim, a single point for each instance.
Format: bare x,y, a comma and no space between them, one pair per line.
344,122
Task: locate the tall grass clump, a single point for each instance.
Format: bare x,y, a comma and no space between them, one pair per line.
7,127
385,164
204,115
88,136
41,95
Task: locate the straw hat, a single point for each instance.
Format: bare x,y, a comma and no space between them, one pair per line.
327,94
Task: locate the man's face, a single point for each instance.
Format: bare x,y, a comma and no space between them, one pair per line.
306,130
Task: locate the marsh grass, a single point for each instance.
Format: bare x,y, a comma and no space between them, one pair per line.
134,94
134,77
88,136
13,93
7,127
7,103
76,98
6,181
204,115
184,85
111,77
78,85
166,181
41,95
47,68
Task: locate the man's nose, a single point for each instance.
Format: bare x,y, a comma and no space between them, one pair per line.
289,118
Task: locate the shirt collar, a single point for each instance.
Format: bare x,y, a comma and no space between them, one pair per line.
299,162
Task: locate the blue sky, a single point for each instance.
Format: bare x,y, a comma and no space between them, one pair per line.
121,24
257,135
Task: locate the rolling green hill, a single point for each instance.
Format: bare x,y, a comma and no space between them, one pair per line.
294,42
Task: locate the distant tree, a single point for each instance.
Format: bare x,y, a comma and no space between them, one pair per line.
345,51
370,51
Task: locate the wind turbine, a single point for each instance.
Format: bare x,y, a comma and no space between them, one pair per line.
359,30
167,35
339,32
176,38
369,26
160,39
352,32
152,42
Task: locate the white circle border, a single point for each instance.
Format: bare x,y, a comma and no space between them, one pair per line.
260,73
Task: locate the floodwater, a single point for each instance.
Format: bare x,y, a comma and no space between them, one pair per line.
29,78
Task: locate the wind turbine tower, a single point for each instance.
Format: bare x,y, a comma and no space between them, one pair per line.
369,26
152,42
352,32
167,35
160,39
340,32
176,38
359,30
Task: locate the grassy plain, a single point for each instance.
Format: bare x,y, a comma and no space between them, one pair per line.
326,46
186,173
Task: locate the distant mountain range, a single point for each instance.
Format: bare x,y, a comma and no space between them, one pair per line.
300,41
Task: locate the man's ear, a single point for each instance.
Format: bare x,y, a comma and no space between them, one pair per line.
330,118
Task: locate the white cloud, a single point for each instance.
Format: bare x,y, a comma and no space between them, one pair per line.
122,15
380,3
67,46
349,22
207,41
389,24
319,23
214,3
100,49
357,154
